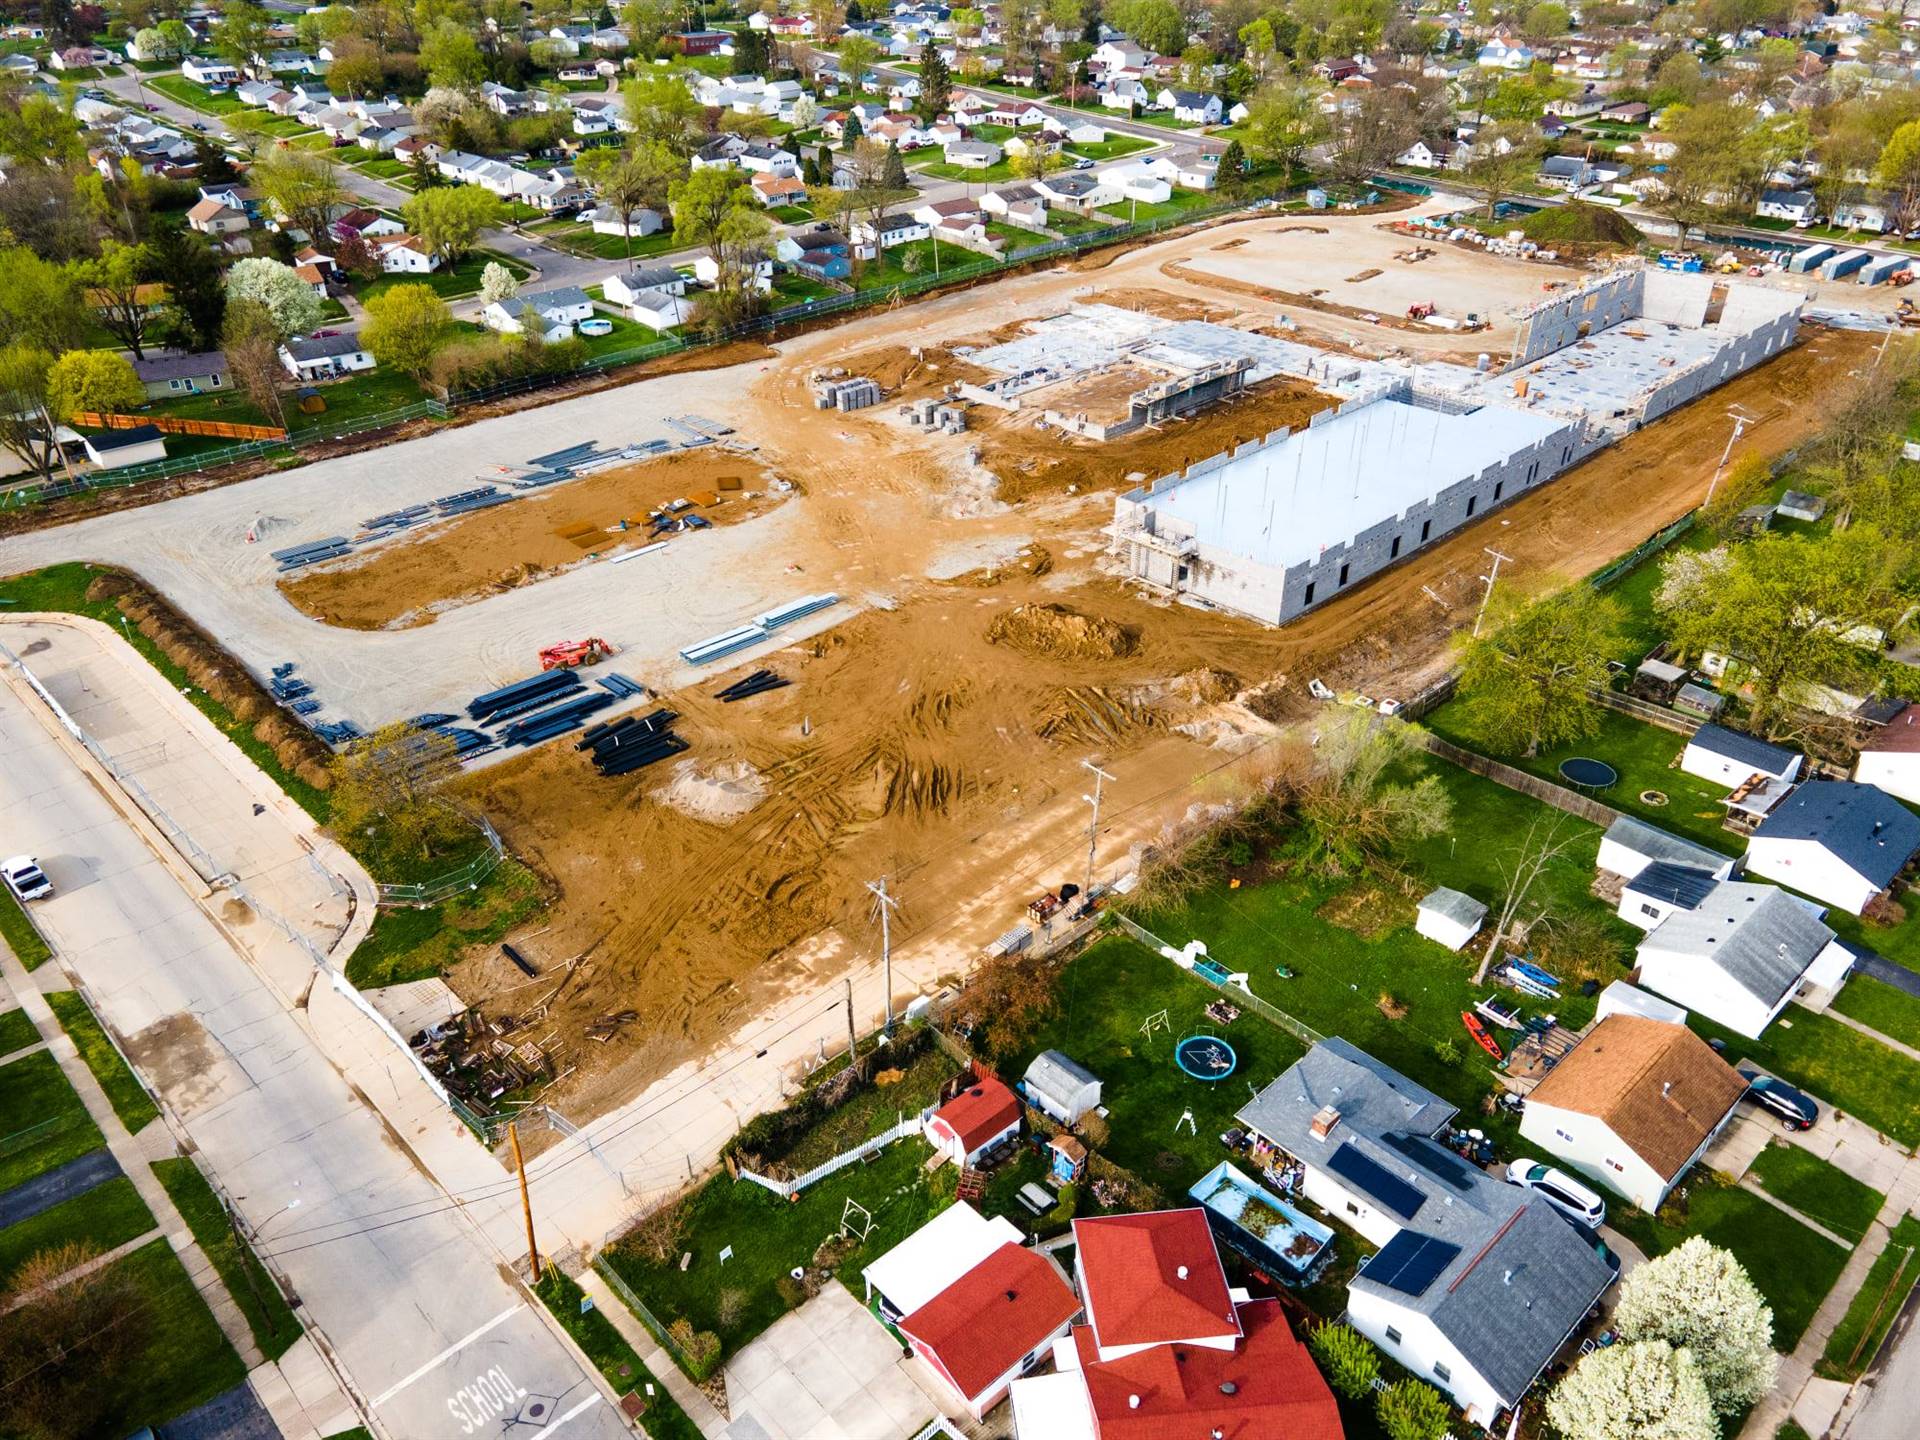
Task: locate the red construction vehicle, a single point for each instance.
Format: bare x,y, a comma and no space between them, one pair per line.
571,653
1420,311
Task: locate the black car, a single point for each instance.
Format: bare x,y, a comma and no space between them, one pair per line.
1796,1110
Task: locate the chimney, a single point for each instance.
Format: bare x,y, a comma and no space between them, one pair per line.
1133,1402
1324,1122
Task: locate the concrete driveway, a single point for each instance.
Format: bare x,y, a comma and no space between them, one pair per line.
1843,1141
828,1371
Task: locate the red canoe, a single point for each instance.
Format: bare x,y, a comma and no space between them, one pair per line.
1479,1033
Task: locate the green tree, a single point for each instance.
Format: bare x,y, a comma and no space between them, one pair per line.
1548,20
304,186
287,299
647,22
116,288
1642,1391
1412,1410
857,56
1347,1358
1699,1298
1233,165
245,30
894,175
851,134
406,326
629,178
26,407
40,129
702,202
1284,121
1504,156
1897,173
451,57
39,301
1350,812
250,339
936,83
393,784
196,287
93,380
662,110
1156,25
1526,679
449,220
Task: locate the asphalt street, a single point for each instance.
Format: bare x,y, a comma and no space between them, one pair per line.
420,1314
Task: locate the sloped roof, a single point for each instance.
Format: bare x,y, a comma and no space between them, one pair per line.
1900,735
937,1254
1057,1075
1656,844
1681,885
983,1324
980,1112
1862,826
1659,1087
1154,1278
1743,749
1265,1386
1759,936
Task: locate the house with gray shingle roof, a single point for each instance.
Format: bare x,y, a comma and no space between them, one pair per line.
1478,1284
1836,840
1741,953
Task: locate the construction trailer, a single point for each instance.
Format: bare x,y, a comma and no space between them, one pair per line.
1805,262
1844,264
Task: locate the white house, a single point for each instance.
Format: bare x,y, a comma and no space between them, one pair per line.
1794,205
972,154
405,255
1191,107
707,271
211,73
643,281
1477,1285
1079,191
553,312
1836,840
1630,845
1499,56
1890,760
136,445
889,231
982,1115
1730,758
1450,918
638,222
1741,954
1060,1086
1663,889
1633,1106
324,357
1125,94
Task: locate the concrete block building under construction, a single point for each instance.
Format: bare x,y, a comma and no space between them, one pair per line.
1283,524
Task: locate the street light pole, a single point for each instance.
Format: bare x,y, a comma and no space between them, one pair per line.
1100,777
1490,577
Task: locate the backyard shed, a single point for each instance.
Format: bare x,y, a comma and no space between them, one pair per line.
1799,505
1059,1086
1730,758
1698,700
1450,918
974,1121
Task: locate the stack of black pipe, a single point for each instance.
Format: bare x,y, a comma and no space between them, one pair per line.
758,683
632,742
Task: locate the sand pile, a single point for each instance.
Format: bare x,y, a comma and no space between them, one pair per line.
1058,632
719,794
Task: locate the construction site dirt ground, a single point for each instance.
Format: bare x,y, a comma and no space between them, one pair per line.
910,744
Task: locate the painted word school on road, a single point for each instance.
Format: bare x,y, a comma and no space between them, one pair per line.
484,1398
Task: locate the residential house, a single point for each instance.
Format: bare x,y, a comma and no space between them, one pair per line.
1078,191
759,271
1739,955
1836,840
889,231
1020,205
1662,889
1431,154
1799,206
819,254
1136,182
256,93
1633,1106
1478,1285
982,1115
973,154
324,357
1191,107
1727,757
212,216
116,449
1630,845
81,57
937,212
166,373
315,272
1567,172
1058,1085
550,313
760,158
1498,55
1890,758
638,222
1119,55
405,255
1867,215
214,74
1630,112
987,1328
1127,94
721,152
774,191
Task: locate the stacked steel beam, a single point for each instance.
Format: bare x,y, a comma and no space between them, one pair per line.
632,742
758,683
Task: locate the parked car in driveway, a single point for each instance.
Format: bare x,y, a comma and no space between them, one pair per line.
1560,1190
1795,1109
25,878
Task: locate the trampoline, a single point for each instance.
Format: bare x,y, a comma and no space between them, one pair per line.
1205,1057
1588,774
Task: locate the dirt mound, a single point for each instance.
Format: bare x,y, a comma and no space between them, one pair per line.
1207,686
720,794
1031,562
904,372
1587,226
1058,632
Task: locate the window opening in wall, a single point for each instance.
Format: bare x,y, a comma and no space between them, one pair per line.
1426,530
1309,596
1500,485
1473,502
1343,574
1394,553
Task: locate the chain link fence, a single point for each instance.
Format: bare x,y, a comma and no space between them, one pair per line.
463,877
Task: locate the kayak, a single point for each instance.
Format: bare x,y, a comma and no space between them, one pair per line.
1480,1035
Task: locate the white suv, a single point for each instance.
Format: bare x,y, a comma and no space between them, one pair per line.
1560,1190
25,878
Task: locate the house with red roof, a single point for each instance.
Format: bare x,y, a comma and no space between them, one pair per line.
984,1113
988,1327
1169,1352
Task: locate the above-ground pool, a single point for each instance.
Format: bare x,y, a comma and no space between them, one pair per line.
1252,1221
1205,1057
1588,774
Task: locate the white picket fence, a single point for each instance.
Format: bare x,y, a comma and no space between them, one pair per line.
787,1189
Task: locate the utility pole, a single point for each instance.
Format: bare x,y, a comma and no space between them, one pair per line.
885,902
853,1040
1100,777
1489,577
1739,426
526,1205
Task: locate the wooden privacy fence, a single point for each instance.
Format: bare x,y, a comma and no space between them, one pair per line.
174,425
1558,796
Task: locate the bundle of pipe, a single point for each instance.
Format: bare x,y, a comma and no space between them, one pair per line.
758,683
312,553
625,759
633,741
561,718
550,682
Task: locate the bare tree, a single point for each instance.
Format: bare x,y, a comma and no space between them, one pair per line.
1548,838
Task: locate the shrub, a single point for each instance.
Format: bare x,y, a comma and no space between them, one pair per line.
1347,1358
1447,1052
1412,1410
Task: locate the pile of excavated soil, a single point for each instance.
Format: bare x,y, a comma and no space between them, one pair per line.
1060,633
1029,561
407,581
904,375
1029,461
719,795
1158,302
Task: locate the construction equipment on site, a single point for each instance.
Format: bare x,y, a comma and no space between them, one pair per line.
1900,278
1421,310
1906,314
570,654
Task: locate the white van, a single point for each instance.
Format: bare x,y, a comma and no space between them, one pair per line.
1560,1190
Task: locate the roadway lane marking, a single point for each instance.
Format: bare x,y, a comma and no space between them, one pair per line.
584,1405
444,1355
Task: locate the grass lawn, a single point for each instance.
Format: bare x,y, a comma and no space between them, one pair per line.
575,235
1640,752
1112,148
872,1110
612,1356
127,1095
1793,1267
419,944
791,214
796,288
625,335
1068,224
106,1217
1180,204
383,167
770,1236
891,269
1818,1190
448,283
193,96
268,1314
185,1361
999,173
371,392
1837,1065
17,1031
1014,238
20,933
1876,1004
1862,1330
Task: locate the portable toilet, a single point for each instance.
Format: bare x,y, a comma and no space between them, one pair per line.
1806,261
1316,199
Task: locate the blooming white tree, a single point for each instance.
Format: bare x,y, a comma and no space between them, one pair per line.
805,111
1687,575
288,298
1698,1296
1643,1391
497,283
